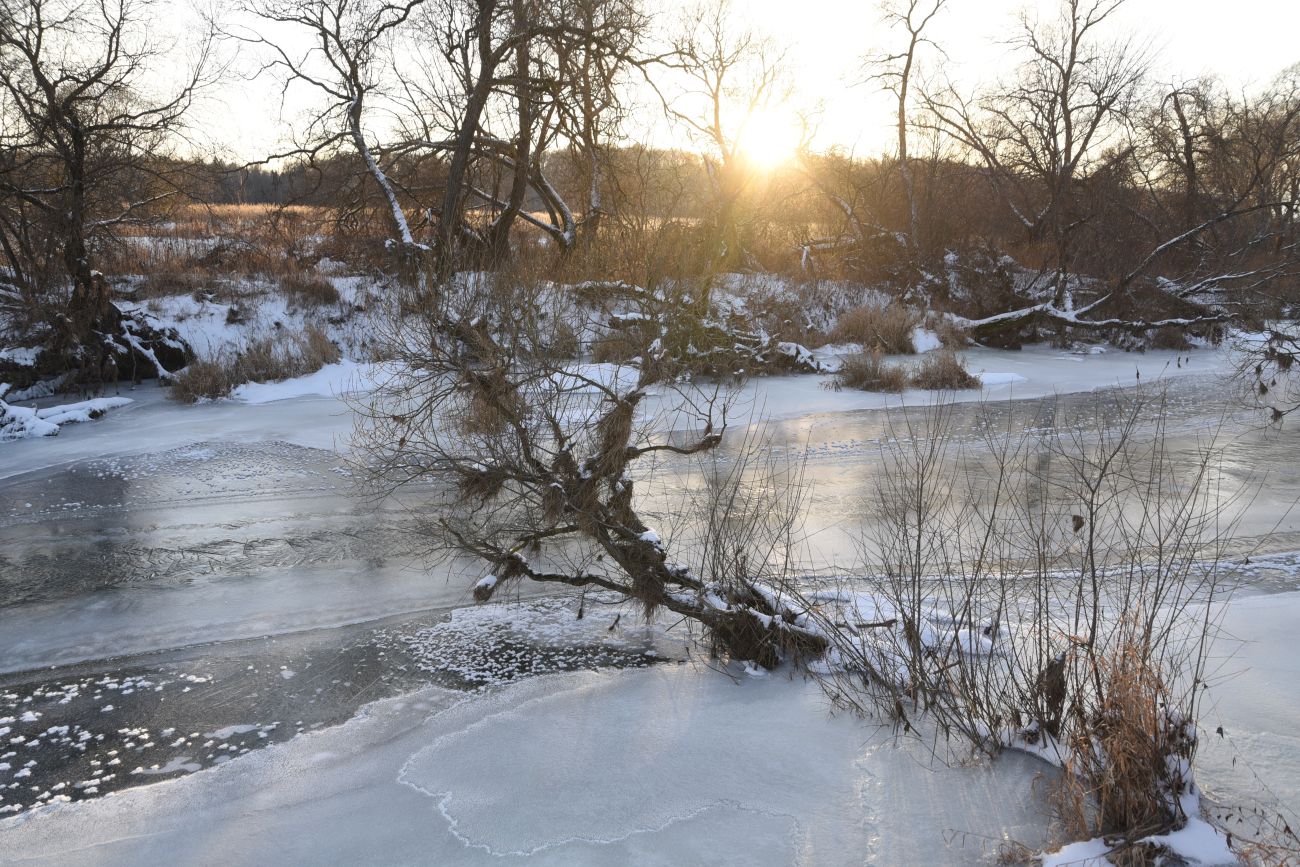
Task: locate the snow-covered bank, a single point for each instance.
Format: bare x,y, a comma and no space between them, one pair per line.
336,380
674,764
309,411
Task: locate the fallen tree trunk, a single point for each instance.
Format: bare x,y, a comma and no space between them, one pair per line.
1002,324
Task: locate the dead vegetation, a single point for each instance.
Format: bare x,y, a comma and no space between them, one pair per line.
868,371
886,329
309,289
1066,608
263,360
943,371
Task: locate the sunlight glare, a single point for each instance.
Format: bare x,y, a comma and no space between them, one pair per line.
771,138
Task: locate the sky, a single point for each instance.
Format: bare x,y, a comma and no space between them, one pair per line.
1244,42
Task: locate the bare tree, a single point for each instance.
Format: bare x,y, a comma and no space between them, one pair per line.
480,91
343,64
730,75
589,76
897,74
1043,134
83,144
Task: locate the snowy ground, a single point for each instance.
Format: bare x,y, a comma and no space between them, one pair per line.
194,555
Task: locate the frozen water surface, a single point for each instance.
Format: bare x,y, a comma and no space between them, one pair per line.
178,530
668,765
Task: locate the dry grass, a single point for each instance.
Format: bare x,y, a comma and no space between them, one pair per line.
202,380
1120,782
203,243
307,289
941,371
167,282
887,329
867,371
264,360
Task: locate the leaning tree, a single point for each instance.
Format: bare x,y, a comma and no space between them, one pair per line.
540,460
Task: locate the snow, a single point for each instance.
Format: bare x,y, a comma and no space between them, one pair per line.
594,378
1033,372
990,380
84,411
668,763
21,355
672,764
333,380
1085,853
1198,842
154,424
925,340
19,422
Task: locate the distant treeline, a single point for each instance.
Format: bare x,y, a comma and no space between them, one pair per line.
221,183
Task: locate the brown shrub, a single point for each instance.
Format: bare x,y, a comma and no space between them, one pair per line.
943,370
316,349
1121,774
562,340
785,317
866,371
202,380
309,290
888,329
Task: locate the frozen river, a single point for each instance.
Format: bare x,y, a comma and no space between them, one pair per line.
188,587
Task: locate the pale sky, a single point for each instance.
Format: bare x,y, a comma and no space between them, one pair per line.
1244,42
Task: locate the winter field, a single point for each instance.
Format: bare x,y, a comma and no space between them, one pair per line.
215,648
654,432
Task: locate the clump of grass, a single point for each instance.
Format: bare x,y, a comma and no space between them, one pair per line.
1128,763
867,371
317,350
887,329
943,370
202,380
309,290
264,360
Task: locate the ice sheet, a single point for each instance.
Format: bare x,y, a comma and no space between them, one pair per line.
675,764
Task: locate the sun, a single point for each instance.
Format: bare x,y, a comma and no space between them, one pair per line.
771,138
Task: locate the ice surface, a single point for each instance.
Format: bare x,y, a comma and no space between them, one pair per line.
325,421
1254,697
669,765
